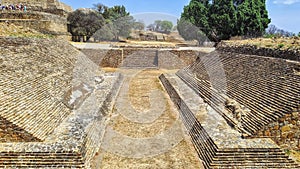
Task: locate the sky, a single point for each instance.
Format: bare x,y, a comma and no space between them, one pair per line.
285,14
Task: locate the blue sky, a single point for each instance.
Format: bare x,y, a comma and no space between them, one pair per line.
285,14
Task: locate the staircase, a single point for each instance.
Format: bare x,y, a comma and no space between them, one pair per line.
217,144
141,59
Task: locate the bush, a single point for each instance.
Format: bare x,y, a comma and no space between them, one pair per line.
280,45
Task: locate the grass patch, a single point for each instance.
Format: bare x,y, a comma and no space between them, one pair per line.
280,45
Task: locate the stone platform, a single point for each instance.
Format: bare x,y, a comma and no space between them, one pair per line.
54,103
74,142
218,145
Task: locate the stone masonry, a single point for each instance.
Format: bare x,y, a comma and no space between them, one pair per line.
268,88
44,124
49,6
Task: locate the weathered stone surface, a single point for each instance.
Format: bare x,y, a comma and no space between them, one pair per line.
219,145
285,128
49,6
40,131
254,50
42,22
166,58
267,86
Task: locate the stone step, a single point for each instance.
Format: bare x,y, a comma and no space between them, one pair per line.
213,153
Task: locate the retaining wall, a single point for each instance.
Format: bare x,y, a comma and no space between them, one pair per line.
261,51
167,59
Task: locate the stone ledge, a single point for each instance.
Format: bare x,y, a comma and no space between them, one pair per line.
261,51
218,145
75,141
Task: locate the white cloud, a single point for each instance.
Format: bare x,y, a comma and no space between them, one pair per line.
286,2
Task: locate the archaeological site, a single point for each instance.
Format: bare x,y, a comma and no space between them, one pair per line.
94,105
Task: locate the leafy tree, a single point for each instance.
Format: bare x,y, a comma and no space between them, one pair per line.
161,26
272,29
190,32
123,26
112,13
166,26
105,33
139,25
196,13
119,20
85,22
151,27
222,19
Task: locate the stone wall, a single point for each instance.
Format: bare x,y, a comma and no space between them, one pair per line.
38,129
267,87
261,51
285,131
50,6
217,144
42,22
167,59
9,132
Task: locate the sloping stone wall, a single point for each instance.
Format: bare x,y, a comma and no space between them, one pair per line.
39,128
43,22
285,131
35,74
261,51
9,132
267,87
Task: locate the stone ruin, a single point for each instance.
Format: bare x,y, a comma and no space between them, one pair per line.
52,111
55,101
253,102
49,6
45,16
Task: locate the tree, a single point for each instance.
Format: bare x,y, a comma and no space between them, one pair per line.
197,14
139,25
222,19
252,18
123,26
190,32
166,26
151,27
161,26
85,22
112,13
119,20
274,31
105,33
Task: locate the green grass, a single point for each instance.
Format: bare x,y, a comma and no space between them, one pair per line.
280,45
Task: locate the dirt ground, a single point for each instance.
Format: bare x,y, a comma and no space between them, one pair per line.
181,156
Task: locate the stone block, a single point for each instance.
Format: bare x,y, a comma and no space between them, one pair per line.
285,128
